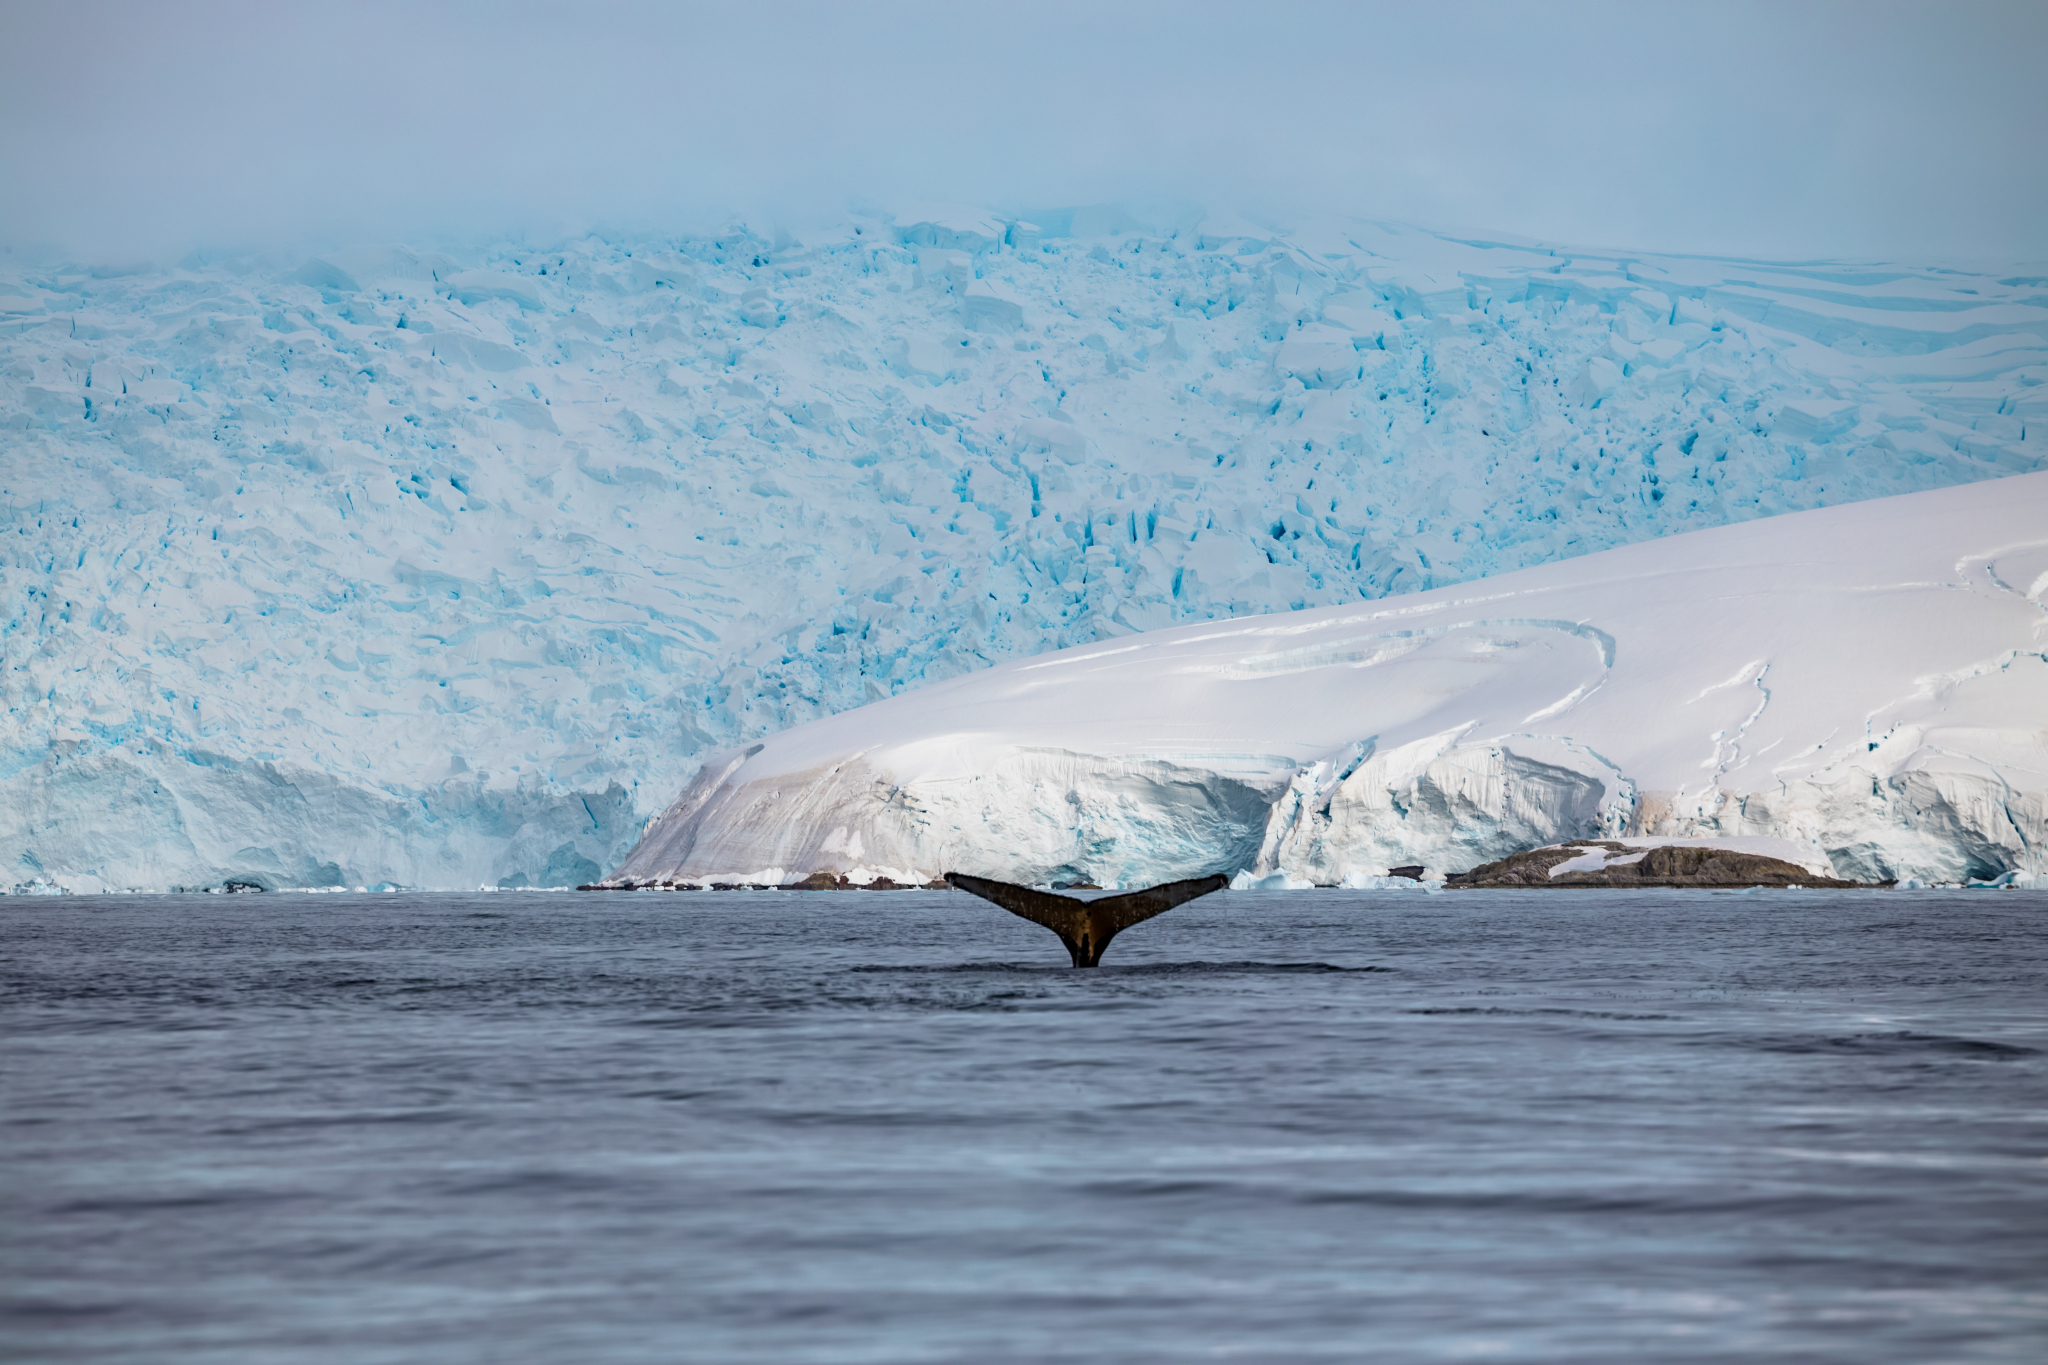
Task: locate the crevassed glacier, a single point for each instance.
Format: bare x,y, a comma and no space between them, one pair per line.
445,567
1868,683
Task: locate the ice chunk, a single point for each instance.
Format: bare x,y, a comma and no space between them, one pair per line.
1814,419
951,226
1596,380
1320,356
1423,293
988,307
1274,881
480,286
325,274
1358,316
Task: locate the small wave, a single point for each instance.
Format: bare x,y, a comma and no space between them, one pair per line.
1253,968
543,1180
1645,1200
961,968
1140,1187
1569,1014
33,1312
136,1205
1896,1044
1111,969
357,1119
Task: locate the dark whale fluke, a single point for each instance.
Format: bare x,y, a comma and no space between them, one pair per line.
1086,927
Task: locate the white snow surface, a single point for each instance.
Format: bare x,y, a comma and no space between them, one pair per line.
446,567
1864,687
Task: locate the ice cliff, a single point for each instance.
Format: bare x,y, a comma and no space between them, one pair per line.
1868,683
450,567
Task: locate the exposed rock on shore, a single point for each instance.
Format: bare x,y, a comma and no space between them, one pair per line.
835,881
817,881
1606,862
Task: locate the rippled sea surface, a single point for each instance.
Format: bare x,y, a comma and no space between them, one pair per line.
1539,1126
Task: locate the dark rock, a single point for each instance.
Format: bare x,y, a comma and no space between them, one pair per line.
1670,865
835,881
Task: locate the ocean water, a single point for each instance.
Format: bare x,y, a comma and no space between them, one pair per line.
1671,1126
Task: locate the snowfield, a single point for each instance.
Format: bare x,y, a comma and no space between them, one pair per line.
1865,686
447,568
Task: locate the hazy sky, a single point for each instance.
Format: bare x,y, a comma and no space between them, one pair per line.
1781,129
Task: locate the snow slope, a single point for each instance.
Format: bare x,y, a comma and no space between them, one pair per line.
1869,682
448,568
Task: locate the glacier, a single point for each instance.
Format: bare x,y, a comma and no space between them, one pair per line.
449,564
1859,689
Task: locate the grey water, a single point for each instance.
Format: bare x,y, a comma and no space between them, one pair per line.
1539,1126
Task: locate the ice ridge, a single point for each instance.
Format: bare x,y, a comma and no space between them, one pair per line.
1903,735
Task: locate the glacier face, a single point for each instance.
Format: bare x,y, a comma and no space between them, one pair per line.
446,568
1868,683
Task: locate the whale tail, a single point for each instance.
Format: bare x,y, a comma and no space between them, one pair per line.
1086,927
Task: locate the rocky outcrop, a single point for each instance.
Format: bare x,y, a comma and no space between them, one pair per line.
835,881
817,881
1581,864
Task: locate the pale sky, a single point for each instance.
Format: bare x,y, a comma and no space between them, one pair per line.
1779,129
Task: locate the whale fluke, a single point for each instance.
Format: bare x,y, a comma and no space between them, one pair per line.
1086,927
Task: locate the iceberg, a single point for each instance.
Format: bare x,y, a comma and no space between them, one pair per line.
1858,690
448,565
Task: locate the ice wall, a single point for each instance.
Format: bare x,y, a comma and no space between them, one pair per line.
1868,683
448,568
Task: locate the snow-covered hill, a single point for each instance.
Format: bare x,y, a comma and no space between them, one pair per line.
449,568
1869,682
